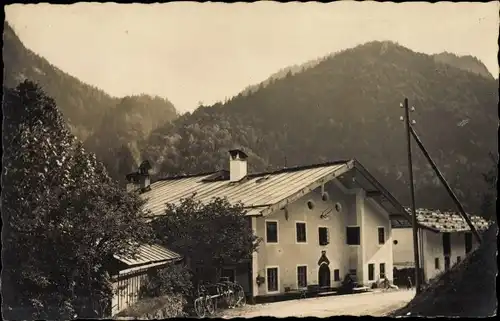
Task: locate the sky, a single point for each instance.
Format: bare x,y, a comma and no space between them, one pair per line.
193,52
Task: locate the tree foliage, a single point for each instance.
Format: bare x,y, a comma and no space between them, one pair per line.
212,234
172,279
488,207
62,214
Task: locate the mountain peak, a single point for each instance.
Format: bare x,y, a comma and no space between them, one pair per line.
468,63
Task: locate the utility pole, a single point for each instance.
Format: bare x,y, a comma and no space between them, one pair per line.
412,192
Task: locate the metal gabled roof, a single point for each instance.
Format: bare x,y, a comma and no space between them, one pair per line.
147,254
257,192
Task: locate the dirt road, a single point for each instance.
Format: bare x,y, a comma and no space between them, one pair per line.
372,303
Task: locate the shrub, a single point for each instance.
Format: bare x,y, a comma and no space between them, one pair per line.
172,279
167,306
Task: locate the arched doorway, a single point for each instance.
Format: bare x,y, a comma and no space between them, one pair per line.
324,275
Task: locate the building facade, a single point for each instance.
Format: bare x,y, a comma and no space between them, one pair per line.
444,240
318,223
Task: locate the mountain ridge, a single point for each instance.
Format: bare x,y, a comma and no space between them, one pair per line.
87,109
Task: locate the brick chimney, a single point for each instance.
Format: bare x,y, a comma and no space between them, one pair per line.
139,180
237,165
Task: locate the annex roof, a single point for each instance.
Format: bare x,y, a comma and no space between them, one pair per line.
149,254
263,193
446,221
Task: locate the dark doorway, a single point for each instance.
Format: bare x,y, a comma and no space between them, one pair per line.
446,263
324,275
228,273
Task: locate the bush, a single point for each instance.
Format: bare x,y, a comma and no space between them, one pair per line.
167,306
172,279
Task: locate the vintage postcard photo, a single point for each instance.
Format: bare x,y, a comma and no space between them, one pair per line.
265,159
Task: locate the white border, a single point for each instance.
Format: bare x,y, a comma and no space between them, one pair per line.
385,236
277,231
297,275
385,268
374,271
305,223
277,279
328,232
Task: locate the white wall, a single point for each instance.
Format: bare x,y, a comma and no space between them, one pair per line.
432,249
374,217
287,254
403,250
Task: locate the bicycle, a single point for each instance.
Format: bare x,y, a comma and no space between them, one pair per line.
225,291
204,302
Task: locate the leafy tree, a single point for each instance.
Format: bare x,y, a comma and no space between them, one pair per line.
63,216
488,207
212,234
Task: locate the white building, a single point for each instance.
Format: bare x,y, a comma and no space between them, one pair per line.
444,239
318,222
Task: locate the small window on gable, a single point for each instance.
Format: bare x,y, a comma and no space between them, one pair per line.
325,197
381,236
310,205
436,263
338,207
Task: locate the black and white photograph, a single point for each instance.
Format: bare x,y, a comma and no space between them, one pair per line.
251,159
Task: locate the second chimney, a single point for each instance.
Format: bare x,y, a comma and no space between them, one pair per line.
237,165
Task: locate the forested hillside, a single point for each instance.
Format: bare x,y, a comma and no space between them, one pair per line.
90,112
347,105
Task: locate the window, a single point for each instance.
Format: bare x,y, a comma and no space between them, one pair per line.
272,279
381,235
302,276
371,272
352,233
271,232
446,244
325,197
436,263
395,242
310,204
382,271
300,228
468,242
323,236
338,207
446,263
336,275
